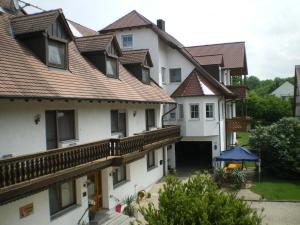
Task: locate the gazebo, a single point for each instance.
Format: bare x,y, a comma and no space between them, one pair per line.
239,154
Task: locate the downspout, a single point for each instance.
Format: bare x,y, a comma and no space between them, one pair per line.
164,148
219,123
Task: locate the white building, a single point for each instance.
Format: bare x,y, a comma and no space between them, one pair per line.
199,79
284,91
75,125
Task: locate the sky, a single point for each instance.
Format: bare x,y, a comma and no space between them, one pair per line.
270,28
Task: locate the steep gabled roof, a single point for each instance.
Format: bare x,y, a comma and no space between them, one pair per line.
136,56
210,60
82,30
135,20
23,75
195,85
234,54
38,22
132,19
98,42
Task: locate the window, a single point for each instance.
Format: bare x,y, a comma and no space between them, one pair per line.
175,75
118,122
150,118
209,110
194,109
180,111
119,174
111,67
56,54
163,75
173,115
127,41
150,159
62,196
145,75
112,50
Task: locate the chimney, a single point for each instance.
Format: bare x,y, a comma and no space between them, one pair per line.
161,24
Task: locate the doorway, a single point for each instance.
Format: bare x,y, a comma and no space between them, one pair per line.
94,188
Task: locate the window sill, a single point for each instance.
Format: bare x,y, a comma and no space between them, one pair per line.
121,183
210,119
151,168
194,119
63,212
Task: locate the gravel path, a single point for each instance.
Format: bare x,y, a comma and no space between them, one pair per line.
279,213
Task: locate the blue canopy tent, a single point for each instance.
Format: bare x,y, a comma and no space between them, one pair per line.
239,154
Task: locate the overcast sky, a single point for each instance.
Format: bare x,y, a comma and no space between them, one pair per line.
270,28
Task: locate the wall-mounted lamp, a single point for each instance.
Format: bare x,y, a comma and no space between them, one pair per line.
215,147
37,118
134,113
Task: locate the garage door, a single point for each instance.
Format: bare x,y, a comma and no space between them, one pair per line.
196,154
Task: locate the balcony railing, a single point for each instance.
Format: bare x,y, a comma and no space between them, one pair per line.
238,124
240,91
24,168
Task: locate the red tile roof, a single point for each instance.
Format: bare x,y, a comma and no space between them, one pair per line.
135,19
195,85
136,56
234,54
23,75
210,60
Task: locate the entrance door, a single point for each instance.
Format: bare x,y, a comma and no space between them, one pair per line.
95,190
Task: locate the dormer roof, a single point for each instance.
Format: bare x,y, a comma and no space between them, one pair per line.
97,43
195,85
39,22
139,56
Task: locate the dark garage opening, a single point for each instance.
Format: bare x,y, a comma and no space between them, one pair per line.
194,154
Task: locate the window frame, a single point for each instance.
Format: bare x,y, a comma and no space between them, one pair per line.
194,118
144,68
170,75
115,59
151,165
209,111
126,36
180,111
123,177
163,75
65,57
148,127
118,131
58,186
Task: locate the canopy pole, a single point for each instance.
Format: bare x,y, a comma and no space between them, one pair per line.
259,171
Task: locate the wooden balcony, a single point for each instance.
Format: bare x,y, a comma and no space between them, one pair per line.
31,173
240,91
238,124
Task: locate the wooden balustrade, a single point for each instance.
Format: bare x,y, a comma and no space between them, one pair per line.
23,168
240,91
236,124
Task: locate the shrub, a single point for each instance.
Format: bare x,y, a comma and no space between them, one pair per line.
198,201
129,207
219,176
279,147
239,178
148,195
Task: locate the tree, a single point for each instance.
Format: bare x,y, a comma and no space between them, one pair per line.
279,147
198,201
252,82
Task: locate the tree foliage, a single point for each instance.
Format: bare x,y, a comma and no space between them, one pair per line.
198,201
279,147
267,109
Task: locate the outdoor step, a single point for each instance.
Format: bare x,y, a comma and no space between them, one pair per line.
110,218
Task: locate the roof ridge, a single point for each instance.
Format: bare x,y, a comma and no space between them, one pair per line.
224,43
59,10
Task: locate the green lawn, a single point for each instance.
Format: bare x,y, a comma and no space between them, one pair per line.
276,189
243,138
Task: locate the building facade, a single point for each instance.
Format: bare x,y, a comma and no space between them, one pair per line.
80,125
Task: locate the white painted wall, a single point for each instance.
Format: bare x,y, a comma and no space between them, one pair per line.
138,178
41,211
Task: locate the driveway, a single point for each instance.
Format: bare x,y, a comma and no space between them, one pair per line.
279,213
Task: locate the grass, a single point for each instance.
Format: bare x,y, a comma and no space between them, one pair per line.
243,138
277,189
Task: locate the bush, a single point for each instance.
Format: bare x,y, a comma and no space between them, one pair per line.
129,207
239,178
279,147
219,176
198,201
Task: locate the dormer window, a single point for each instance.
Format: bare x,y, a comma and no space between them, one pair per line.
138,63
47,34
111,67
103,51
56,54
